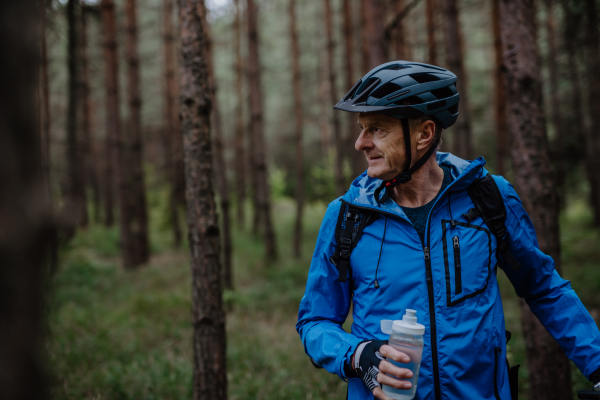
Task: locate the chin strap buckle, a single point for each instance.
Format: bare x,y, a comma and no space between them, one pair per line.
402,178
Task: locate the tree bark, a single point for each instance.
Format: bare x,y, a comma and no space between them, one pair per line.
430,8
208,317
137,194
172,141
256,115
365,53
399,38
44,106
549,370
298,126
340,186
26,221
75,210
375,32
500,121
240,132
114,133
593,66
455,63
88,148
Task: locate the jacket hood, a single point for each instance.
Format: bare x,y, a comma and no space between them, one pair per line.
464,172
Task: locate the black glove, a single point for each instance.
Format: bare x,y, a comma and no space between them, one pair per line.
595,379
366,362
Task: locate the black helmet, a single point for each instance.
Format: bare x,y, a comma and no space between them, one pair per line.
428,90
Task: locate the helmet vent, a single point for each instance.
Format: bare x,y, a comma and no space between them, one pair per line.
424,77
385,90
436,104
370,85
395,67
353,90
453,109
442,93
409,101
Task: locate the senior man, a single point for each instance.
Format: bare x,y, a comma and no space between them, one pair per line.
425,230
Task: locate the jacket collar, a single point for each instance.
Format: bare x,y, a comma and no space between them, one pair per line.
464,172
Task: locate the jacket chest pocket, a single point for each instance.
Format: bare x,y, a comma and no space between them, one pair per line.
467,260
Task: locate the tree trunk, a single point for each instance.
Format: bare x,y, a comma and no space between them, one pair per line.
208,317
340,186
88,148
135,176
240,132
399,38
593,66
298,113
114,134
259,156
499,93
549,370
172,140
44,106
555,103
26,222
455,63
430,8
75,210
365,53
374,18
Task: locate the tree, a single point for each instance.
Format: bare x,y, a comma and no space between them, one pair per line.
298,114
549,371
430,7
44,104
375,32
23,211
75,211
499,95
172,142
208,317
365,54
399,35
114,133
454,59
240,132
340,186
140,251
259,162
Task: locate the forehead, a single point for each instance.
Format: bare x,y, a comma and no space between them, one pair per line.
370,119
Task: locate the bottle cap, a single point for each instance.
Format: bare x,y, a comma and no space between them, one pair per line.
409,324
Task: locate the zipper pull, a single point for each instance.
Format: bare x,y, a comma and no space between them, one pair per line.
426,250
455,242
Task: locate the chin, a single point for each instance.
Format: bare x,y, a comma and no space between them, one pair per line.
376,173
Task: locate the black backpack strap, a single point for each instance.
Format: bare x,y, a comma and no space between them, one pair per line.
350,225
486,196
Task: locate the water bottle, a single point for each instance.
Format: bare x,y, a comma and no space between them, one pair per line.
406,335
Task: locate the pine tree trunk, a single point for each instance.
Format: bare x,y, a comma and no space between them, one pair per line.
555,103
399,35
172,140
549,369
455,63
593,66
340,186
89,151
298,114
75,210
240,132
114,133
135,175
256,114
44,106
208,317
430,8
500,121
375,27
25,219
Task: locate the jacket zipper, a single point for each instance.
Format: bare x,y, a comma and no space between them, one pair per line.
457,270
497,352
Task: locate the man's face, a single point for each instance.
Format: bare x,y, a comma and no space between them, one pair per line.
382,141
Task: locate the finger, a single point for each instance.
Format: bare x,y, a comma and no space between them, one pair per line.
391,369
396,355
393,382
378,393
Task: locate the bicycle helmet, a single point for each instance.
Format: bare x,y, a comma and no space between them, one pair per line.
405,89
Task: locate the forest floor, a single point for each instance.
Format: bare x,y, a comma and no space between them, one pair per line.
116,334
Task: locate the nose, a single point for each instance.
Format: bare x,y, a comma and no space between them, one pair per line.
363,142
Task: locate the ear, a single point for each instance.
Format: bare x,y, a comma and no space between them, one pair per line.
425,135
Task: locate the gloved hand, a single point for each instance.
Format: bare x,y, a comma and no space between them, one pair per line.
595,379
365,362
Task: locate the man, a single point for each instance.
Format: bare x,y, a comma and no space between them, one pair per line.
424,247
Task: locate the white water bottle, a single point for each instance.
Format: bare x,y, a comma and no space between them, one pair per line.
406,335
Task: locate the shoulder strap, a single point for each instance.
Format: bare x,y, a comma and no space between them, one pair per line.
488,201
350,225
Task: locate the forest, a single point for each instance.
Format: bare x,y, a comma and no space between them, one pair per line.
167,164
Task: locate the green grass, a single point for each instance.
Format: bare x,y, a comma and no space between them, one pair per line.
118,334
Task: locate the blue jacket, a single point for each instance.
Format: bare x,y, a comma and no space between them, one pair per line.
464,353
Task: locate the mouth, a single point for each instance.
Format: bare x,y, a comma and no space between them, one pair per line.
369,159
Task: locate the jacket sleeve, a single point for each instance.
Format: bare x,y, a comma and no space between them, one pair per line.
326,304
549,296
